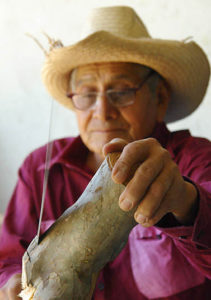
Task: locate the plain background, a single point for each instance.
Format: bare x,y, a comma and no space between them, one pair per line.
24,103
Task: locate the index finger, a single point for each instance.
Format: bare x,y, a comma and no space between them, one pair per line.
131,157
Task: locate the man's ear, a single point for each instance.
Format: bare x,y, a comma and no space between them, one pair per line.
163,97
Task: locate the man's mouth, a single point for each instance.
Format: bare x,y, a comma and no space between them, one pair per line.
108,130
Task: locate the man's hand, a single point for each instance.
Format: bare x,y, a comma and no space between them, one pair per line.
155,184
11,289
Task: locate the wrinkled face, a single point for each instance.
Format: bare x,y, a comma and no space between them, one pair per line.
103,122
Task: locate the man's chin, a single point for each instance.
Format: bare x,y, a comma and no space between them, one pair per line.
97,145
107,136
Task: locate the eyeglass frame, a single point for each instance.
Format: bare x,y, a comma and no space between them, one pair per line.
135,90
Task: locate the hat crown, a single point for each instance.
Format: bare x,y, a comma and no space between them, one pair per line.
118,20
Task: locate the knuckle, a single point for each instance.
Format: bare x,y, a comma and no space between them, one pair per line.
146,170
157,190
159,149
163,158
166,154
152,141
163,155
127,150
131,148
123,165
173,169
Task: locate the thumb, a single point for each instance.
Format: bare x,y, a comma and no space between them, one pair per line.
115,145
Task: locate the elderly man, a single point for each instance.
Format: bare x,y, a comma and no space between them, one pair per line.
122,86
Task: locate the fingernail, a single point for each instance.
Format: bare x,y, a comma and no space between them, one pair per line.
141,219
115,140
126,204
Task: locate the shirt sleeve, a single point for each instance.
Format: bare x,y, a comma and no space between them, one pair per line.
18,228
195,241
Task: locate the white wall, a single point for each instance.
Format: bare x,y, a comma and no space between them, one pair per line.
24,103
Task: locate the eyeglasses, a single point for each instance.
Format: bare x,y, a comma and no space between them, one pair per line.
117,98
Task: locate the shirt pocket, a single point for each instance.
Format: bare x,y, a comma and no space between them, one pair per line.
158,267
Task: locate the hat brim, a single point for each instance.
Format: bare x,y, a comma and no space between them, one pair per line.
183,65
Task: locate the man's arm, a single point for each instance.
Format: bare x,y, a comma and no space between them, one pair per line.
186,219
18,229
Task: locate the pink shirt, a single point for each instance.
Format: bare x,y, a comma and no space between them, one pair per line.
167,261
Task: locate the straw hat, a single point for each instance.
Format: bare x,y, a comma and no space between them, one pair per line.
116,34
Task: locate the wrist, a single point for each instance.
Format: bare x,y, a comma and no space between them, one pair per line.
189,207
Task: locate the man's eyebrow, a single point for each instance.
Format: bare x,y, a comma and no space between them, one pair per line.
114,77
84,79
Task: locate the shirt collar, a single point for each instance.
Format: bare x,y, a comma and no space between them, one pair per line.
69,152
161,133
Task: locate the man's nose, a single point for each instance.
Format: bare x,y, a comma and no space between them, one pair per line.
103,109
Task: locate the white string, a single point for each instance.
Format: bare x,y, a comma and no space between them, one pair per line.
47,165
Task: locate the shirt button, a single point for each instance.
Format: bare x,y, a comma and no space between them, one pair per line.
101,286
183,237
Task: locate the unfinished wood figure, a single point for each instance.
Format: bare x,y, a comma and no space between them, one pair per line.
66,262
